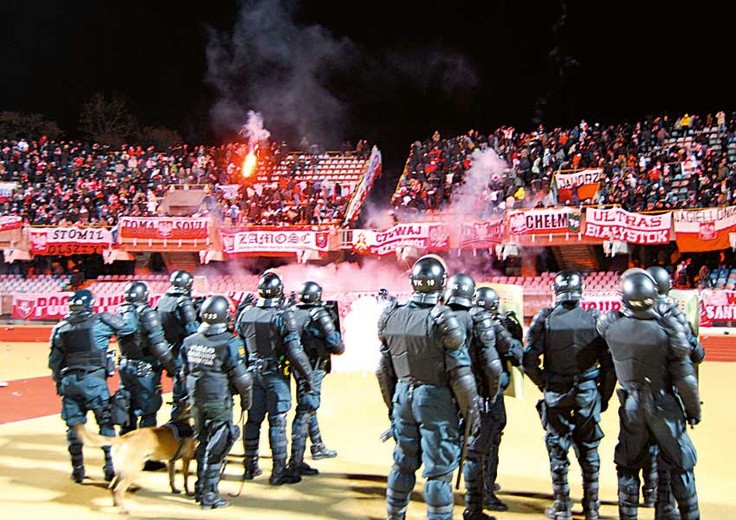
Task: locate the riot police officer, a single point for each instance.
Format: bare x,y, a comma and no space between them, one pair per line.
656,474
213,364
577,382
651,354
481,341
272,340
425,374
178,317
143,354
80,364
509,334
320,339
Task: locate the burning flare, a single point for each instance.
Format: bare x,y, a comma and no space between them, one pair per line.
249,164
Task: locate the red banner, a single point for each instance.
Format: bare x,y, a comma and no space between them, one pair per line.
481,235
69,241
424,236
274,240
9,223
587,183
704,229
633,228
163,228
54,306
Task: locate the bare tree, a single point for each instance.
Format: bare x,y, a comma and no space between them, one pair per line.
160,137
30,126
108,121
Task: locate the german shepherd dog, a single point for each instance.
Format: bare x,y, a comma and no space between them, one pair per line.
131,451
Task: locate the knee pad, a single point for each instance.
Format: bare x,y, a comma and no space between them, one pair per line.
438,495
401,480
277,421
220,442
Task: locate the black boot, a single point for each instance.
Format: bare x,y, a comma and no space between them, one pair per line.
319,451
78,474
476,515
211,498
280,475
628,494
108,469
303,469
74,445
493,503
251,459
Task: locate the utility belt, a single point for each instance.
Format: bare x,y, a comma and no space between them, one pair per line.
80,372
138,367
412,381
264,364
570,380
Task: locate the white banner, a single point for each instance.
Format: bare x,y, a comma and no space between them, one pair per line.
7,189
9,222
632,228
257,241
69,241
229,191
552,220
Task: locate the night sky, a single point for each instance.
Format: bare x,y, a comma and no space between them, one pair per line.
388,71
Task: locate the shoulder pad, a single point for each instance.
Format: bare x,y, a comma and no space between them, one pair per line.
383,318
114,322
288,317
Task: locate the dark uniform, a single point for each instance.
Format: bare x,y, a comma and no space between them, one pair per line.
577,381
651,354
509,335
481,342
272,340
320,339
213,365
425,374
143,355
80,365
177,314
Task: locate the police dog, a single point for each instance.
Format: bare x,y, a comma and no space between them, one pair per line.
131,451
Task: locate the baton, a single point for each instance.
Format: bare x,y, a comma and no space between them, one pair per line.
386,435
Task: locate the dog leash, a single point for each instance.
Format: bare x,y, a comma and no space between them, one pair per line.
242,480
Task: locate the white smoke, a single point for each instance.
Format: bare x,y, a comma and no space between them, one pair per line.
253,130
466,198
360,335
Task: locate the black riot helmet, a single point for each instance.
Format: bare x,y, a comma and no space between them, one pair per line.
487,298
182,280
215,315
568,286
639,291
428,278
310,292
460,290
270,289
81,301
662,278
136,292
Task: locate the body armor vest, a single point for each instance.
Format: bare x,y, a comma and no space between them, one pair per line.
569,349
167,309
80,349
259,335
314,345
205,360
640,351
135,346
415,353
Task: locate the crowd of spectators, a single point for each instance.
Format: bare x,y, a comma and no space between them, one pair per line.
647,166
661,163
50,183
